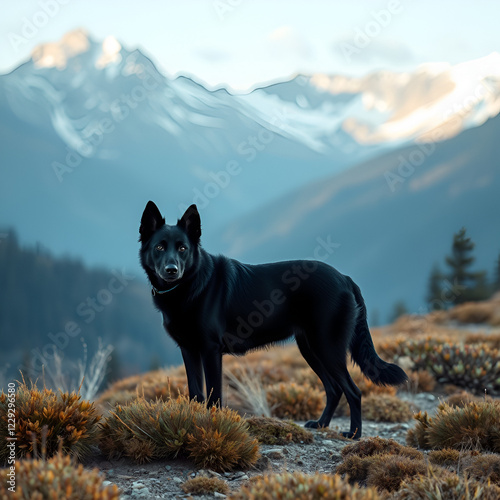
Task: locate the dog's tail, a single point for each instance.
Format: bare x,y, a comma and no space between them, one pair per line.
363,351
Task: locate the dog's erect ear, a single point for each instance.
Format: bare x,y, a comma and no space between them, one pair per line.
151,221
191,222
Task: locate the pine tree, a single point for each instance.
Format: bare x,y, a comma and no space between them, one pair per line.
467,285
435,292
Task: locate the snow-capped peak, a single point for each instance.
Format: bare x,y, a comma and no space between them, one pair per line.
56,54
328,114
76,42
433,103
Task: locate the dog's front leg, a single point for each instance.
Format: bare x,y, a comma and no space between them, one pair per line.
194,372
212,364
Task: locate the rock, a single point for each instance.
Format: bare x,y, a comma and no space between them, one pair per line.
273,453
271,450
219,495
142,493
244,477
168,467
139,490
106,483
177,480
262,463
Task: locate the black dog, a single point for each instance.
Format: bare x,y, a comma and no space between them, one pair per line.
213,305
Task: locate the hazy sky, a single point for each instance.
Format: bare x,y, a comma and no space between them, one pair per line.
241,43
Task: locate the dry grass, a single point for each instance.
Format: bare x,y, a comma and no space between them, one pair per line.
386,408
473,426
461,398
490,339
248,392
485,466
473,367
380,462
213,438
445,457
477,313
293,401
56,479
421,381
387,472
299,486
446,486
48,422
274,431
205,485
158,384
368,447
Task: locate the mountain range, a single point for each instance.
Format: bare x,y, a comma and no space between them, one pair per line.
91,130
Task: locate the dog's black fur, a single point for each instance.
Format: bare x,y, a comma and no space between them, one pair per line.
213,305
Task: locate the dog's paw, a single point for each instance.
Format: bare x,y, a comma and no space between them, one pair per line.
312,424
351,435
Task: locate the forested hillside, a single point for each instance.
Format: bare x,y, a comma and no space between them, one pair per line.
56,305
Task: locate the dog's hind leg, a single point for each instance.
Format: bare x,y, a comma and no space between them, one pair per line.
337,369
330,343
332,389
353,395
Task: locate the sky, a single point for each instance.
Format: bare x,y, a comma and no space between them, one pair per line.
242,43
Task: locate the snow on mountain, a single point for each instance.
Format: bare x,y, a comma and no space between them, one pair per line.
327,114
435,102
331,115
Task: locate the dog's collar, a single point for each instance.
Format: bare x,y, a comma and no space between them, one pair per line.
155,290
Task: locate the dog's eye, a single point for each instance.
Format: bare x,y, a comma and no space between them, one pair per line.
182,248
159,248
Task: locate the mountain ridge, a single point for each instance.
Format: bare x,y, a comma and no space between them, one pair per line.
376,227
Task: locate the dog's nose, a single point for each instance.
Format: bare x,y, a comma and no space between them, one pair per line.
171,269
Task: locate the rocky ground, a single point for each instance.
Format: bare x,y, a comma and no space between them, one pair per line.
163,480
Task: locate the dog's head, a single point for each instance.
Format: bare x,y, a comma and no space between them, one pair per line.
169,251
